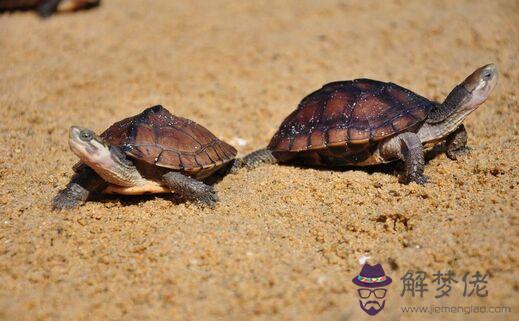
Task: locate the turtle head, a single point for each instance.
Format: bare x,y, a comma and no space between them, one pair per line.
89,147
467,96
461,101
479,85
107,160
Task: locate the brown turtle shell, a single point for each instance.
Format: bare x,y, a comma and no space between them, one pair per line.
19,4
160,138
341,113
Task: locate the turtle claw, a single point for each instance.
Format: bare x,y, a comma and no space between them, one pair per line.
455,154
71,197
421,180
418,179
65,201
209,198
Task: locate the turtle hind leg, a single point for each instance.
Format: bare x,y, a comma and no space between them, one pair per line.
254,159
81,187
47,8
456,143
408,147
191,189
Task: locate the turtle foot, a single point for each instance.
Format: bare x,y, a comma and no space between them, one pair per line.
191,189
418,179
208,198
65,201
455,154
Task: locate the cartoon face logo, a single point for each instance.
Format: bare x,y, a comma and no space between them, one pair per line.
372,281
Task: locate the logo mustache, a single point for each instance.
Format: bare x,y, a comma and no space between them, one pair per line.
376,303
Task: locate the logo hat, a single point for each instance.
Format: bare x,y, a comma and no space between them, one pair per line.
372,276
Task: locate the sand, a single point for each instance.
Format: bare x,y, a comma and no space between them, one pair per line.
284,242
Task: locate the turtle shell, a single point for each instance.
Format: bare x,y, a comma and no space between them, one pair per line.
160,138
18,4
341,113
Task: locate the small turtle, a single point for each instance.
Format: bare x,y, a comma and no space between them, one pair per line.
152,152
366,122
46,8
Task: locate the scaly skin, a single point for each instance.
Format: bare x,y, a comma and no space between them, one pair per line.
407,147
81,187
191,189
254,159
456,144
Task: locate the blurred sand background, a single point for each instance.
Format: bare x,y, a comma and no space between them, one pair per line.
284,242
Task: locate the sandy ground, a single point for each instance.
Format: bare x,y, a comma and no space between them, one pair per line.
284,242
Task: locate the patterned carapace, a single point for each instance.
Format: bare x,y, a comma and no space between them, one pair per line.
158,137
353,112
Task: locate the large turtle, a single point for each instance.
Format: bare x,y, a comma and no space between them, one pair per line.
152,152
46,8
366,122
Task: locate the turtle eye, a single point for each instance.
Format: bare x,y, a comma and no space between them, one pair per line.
85,135
487,75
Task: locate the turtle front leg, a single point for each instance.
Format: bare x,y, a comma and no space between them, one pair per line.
47,8
407,147
254,159
456,143
81,186
191,189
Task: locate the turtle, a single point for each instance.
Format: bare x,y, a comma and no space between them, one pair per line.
152,152
365,122
45,8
